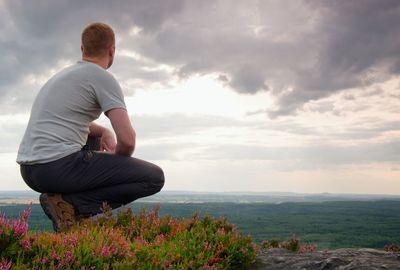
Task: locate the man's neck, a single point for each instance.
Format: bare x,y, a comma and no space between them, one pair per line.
95,60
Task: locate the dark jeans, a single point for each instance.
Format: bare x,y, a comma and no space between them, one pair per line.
88,178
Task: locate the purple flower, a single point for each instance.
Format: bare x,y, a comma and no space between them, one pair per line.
68,256
56,257
5,266
44,260
166,263
26,245
105,251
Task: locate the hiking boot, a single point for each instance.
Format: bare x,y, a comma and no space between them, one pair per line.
61,213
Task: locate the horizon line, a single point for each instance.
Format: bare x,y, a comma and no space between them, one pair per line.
246,192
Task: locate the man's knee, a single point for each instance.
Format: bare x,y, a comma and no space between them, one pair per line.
158,178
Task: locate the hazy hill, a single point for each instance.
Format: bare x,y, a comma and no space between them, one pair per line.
209,197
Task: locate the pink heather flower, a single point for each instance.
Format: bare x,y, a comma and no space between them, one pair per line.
105,251
68,256
56,257
128,254
166,263
207,246
26,245
20,229
70,241
5,266
83,268
26,213
115,250
44,260
221,231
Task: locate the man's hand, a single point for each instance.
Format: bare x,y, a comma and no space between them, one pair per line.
107,141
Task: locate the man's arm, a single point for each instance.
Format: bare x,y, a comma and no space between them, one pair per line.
126,136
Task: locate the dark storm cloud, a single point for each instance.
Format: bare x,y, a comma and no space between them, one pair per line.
228,39
297,50
36,35
300,51
358,43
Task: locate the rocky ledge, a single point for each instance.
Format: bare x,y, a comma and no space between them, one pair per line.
340,259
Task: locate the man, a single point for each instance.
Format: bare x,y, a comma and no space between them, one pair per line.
57,154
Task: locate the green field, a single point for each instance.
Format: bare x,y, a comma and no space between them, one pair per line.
371,224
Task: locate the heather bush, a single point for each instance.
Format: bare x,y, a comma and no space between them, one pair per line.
12,235
127,241
392,248
293,244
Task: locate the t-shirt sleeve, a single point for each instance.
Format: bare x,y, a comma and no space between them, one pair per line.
108,92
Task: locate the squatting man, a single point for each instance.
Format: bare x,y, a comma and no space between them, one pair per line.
73,162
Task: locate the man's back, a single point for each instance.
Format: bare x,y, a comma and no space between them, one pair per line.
63,110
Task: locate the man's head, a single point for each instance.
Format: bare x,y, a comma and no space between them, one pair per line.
98,43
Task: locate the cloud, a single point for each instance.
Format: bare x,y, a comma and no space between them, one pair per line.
301,51
252,44
177,137
175,125
357,45
37,35
310,156
298,51
12,129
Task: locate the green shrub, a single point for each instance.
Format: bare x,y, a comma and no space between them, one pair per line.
293,244
392,248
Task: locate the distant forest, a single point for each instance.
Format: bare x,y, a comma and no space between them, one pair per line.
329,225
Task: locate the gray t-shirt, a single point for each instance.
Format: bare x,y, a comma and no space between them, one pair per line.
62,111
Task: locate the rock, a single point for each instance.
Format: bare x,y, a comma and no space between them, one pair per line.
339,259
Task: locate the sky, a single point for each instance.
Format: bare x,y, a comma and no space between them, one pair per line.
295,96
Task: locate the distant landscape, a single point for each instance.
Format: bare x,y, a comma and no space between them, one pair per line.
328,220
7,197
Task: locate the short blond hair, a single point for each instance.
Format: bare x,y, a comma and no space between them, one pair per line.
96,38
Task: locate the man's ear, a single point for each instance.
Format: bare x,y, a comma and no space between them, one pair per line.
82,48
111,51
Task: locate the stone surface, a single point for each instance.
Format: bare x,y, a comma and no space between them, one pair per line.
339,259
